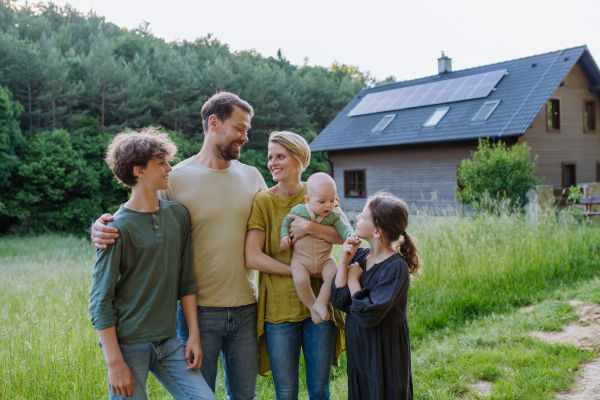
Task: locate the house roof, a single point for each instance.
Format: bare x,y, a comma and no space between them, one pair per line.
522,93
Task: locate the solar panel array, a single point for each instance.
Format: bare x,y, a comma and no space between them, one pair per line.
446,91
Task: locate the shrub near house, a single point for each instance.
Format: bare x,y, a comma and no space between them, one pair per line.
496,174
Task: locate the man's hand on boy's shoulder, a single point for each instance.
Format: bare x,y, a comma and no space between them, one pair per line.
103,235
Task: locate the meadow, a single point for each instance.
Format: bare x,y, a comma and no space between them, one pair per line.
463,311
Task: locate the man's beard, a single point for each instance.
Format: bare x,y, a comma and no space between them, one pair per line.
230,152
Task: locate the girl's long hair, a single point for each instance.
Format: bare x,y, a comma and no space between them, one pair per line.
390,216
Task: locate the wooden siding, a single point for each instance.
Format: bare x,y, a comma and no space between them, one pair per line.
417,174
569,145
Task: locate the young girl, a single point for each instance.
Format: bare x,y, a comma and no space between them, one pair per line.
371,286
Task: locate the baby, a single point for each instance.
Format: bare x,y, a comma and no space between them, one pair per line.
313,255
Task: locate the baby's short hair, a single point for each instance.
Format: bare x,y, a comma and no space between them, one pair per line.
136,149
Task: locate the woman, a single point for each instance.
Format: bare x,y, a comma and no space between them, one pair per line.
284,323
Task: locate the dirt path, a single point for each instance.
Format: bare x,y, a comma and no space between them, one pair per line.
584,334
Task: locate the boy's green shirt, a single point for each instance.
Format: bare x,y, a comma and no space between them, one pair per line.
139,278
333,219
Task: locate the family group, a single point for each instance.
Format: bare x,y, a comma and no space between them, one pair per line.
175,284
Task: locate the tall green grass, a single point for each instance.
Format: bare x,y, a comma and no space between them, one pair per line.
473,267
476,266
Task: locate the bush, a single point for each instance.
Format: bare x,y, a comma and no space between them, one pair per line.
497,177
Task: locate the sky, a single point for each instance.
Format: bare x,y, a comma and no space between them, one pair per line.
400,38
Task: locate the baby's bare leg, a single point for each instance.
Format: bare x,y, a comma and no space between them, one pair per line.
302,282
328,273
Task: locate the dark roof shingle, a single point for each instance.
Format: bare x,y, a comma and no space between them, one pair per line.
522,94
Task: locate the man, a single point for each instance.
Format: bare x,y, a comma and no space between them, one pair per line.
218,192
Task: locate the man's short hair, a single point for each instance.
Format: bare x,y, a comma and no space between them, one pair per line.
221,105
136,149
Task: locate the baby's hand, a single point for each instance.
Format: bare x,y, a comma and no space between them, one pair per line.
285,243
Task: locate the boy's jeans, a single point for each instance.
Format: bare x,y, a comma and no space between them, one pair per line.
166,360
230,332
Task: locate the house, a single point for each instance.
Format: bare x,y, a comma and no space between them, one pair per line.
410,137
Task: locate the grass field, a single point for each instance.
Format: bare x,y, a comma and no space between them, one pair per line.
463,319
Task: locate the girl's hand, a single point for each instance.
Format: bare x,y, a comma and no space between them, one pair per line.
354,272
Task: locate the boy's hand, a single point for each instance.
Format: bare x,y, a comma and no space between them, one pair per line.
354,272
193,352
121,379
103,235
285,243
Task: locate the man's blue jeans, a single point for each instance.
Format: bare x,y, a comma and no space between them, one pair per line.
230,332
317,341
165,359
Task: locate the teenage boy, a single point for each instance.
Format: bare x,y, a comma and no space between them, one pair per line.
138,279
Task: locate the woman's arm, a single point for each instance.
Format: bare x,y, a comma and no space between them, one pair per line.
257,259
302,227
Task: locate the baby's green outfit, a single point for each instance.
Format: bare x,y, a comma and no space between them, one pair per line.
334,219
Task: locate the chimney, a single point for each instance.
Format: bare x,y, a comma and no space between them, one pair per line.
444,64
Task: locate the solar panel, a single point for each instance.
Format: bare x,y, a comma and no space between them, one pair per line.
449,90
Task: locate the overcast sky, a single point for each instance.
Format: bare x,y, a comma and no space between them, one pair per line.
401,38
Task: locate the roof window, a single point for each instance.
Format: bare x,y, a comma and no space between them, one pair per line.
380,127
485,111
436,117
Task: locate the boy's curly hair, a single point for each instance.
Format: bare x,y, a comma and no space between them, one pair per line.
135,149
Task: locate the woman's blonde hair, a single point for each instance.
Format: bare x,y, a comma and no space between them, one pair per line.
294,144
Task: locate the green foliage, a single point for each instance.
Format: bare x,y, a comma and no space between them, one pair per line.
496,177
79,80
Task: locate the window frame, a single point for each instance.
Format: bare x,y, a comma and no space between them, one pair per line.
595,119
548,127
496,104
563,165
347,183
389,117
438,109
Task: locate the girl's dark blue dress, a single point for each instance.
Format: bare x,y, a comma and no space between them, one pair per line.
377,338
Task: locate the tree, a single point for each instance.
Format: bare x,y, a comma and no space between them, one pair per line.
11,143
496,176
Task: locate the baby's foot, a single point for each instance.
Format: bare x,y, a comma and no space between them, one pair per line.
321,309
316,318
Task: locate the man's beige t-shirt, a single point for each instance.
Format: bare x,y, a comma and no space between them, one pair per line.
219,202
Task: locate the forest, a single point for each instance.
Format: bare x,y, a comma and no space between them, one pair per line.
70,81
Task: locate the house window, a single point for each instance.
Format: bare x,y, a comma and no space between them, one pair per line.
485,111
568,175
597,171
554,114
385,121
354,184
436,117
589,116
